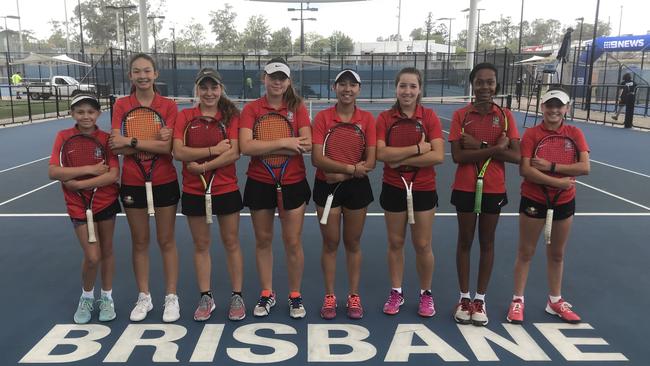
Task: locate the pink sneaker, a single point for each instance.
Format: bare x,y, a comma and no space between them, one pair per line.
355,310
328,310
395,300
563,310
426,307
516,312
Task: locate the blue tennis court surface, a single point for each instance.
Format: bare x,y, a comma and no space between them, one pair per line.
606,279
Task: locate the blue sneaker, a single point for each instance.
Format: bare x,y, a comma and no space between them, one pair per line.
106,309
84,310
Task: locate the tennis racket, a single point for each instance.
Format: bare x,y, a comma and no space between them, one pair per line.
406,132
82,150
144,123
344,143
490,133
204,132
559,150
269,127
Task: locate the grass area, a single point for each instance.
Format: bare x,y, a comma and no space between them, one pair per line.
38,108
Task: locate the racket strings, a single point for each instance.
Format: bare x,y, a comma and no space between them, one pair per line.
272,127
405,133
485,130
81,151
204,132
345,145
144,124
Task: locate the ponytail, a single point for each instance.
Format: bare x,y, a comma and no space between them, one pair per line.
227,108
292,99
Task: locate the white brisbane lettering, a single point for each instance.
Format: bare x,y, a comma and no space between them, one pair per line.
402,345
320,342
165,347
282,350
523,346
567,345
206,347
85,346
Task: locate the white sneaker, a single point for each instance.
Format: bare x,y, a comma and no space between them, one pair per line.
172,310
142,307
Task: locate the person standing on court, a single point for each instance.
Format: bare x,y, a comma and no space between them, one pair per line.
351,187
532,208
226,199
142,74
17,80
423,155
627,97
97,256
470,153
260,191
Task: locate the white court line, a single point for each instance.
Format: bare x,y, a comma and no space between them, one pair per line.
26,193
22,165
369,214
615,167
613,195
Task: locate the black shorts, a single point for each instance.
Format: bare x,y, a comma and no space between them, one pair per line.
393,199
537,210
222,204
491,203
262,196
164,195
352,194
106,214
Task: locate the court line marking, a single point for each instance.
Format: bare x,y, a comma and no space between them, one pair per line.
24,164
27,193
369,214
619,168
614,195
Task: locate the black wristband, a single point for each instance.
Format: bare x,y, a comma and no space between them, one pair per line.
134,142
552,168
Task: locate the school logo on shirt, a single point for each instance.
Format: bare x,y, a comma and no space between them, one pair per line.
495,121
290,116
98,153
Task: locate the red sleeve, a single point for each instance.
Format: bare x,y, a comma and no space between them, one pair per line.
247,118
528,142
454,129
513,132
119,109
380,130
318,131
179,125
371,130
302,117
233,128
56,148
433,126
171,113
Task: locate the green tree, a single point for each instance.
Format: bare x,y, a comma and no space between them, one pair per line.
339,43
223,26
192,37
280,41
256,34
57,38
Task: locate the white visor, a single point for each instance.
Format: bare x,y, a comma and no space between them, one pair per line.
277,67
560,95
352,72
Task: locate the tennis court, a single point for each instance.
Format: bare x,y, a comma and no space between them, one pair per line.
606,278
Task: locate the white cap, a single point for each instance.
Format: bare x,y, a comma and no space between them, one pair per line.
351,72
85,97
277,67
558,94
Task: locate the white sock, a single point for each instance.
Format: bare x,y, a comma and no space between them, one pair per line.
398,289
515,297
88,294
143,295
423,291
107,293
465,295
479,297
554,299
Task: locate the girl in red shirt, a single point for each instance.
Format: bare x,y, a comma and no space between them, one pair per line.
425,155
226,199
467,151
85,109
143,73
532,209
260,191
352,196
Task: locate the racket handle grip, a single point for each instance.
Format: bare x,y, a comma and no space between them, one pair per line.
548,226
278,192
326,209
149,190
91,226
478,196
409,208
208,208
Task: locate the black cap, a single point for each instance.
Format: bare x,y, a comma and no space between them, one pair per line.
208,73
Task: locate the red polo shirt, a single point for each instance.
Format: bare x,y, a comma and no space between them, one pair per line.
495,175
295,171
164,171
104,196
426,177
328,118
225,179
534,135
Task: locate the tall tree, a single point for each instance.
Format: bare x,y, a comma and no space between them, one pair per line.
339,42
223,26
256,34
281,41
193,37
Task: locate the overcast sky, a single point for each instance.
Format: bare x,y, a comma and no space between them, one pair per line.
363,21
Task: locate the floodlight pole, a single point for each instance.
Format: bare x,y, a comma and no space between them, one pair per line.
302,23
122,8
153,18
591,61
